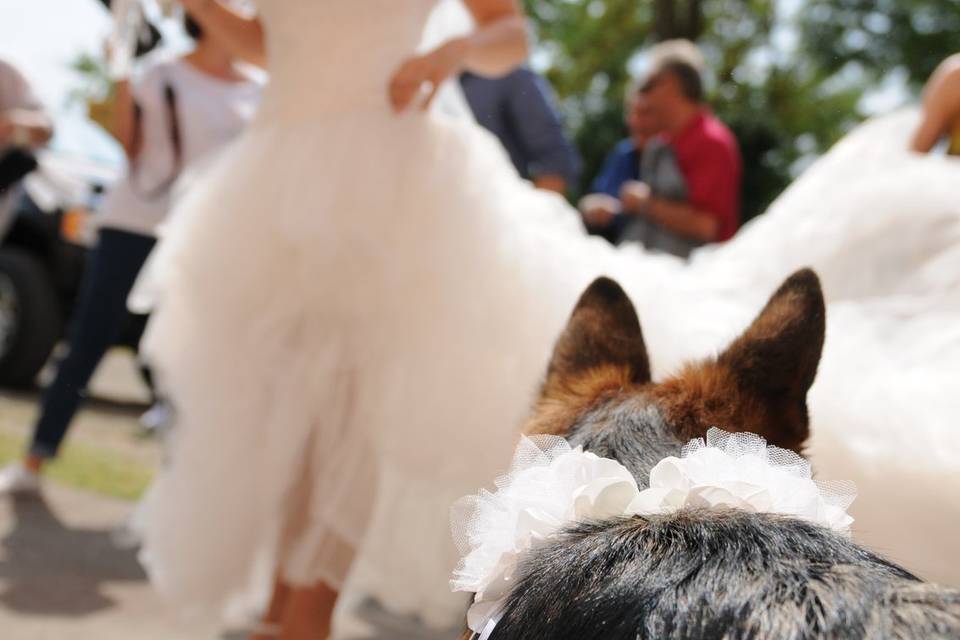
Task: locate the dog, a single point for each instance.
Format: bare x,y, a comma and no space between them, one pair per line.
702,573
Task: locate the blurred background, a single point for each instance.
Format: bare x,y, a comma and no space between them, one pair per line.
788,76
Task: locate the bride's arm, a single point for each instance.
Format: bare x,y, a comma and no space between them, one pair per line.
494,47
240,35
941,105
499,43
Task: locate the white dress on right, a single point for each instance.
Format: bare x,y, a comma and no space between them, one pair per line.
880,224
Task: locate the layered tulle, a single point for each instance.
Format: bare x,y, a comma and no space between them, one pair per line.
352,313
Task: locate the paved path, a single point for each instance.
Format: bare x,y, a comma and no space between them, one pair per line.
65,571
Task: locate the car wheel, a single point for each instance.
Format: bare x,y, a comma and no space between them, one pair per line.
30,317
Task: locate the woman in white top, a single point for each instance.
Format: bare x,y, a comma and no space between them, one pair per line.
178,111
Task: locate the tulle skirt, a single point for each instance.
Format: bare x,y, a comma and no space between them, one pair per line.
352,317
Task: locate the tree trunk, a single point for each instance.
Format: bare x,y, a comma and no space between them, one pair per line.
678,19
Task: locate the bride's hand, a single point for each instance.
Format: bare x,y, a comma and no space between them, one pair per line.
418,78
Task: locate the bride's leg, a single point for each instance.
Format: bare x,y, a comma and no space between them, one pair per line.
273,618
308,610
309,613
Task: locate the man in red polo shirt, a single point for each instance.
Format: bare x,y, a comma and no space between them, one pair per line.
691,190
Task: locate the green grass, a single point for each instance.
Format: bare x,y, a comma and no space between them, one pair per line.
87,467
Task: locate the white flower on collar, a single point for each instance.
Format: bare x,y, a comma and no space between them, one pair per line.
739,470
551,485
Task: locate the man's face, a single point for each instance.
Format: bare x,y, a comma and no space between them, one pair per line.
641,121
660,92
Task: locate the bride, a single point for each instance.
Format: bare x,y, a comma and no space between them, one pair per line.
354,307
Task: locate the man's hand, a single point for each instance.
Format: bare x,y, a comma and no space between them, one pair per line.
683,219
599,209
634,197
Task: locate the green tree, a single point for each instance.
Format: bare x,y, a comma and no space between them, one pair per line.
869,39
96,89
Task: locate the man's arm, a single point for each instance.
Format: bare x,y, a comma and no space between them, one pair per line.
554,164
684,219
679,217
712,185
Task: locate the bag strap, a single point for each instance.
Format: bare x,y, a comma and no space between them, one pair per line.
176,142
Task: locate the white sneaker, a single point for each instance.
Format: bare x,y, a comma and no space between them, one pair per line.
156,418
17,479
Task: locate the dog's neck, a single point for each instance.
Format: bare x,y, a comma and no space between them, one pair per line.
631,431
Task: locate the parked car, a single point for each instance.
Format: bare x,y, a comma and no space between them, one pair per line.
45,231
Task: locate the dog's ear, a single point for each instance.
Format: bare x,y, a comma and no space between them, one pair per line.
603,334
777,356
600,351
760,382
774,362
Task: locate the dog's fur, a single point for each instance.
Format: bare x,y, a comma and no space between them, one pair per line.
702,573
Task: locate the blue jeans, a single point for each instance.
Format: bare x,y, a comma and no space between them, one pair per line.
97,324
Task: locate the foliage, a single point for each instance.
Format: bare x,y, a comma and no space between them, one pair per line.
874,37
85,466
96,89
94,76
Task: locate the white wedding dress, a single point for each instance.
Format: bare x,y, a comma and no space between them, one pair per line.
353,310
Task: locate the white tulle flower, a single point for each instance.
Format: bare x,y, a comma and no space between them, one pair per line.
739,470
551,485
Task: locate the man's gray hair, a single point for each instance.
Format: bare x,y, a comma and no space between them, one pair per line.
683,60
673,51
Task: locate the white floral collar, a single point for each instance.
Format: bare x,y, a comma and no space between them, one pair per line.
551,485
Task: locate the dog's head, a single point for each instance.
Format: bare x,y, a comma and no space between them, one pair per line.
598,390
701,573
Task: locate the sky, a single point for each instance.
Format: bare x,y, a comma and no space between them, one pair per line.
42,37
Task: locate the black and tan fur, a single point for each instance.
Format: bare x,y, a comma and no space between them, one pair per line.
714,573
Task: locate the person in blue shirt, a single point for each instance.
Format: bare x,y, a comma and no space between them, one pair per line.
601,208
519,109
